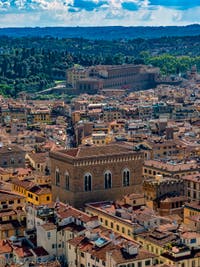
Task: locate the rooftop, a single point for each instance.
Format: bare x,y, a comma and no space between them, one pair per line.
6,196
172,166
65,211
158,237
10,149
90,151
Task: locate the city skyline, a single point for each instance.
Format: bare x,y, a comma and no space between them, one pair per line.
32,13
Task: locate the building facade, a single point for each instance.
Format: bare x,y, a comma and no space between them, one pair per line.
12,156
160,190
192,187
87,174
97,78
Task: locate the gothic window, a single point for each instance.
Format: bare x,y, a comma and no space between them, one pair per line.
57,177
88,182
67,181
126,177
107,180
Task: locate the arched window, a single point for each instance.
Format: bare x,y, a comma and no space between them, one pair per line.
88,182
57,177
12,161
107,180
66,180
126,177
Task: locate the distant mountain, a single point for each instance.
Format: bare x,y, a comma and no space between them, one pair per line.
104,33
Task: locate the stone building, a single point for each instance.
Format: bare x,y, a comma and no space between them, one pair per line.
12,156
160,191
87,174
169,169
127,76
192,186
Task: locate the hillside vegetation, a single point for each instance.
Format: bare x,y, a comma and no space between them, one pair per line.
34,63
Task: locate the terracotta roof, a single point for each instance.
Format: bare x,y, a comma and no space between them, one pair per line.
25,183
76,241
32,187
40,190
5,247
22,171
120,256
48,226
193,178
190,235
38,157
65,211
10,149
171,167
90,152
158,237
6,196
22,252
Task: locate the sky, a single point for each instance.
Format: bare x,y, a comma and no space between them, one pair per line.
31,13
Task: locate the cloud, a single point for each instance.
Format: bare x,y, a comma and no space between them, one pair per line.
4,5
98,12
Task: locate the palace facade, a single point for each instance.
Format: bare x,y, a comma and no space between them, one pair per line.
86,174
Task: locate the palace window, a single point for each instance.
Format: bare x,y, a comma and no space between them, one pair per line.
126,177
88,182
57,176
67,181
107,180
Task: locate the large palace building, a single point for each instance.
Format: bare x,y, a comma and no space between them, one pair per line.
86,174
96,78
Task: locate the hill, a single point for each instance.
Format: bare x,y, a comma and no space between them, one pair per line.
103,33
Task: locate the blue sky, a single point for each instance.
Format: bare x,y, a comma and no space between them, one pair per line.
21,13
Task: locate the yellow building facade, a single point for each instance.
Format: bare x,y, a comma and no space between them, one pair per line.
41,116
190,209
34,194
12,217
